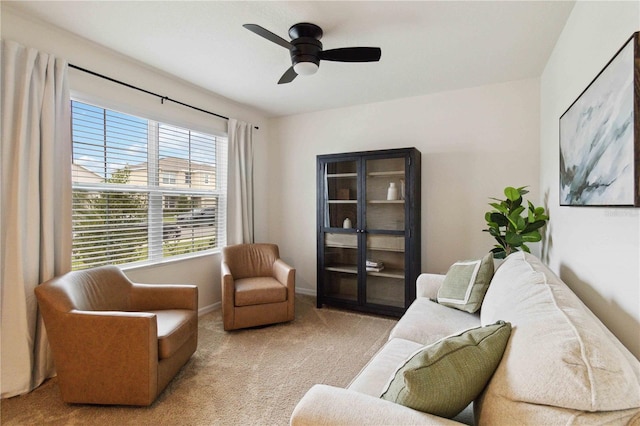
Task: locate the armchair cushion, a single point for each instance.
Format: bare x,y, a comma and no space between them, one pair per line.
175,328
259,290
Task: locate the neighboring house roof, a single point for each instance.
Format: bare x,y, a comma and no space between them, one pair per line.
84,175
174,163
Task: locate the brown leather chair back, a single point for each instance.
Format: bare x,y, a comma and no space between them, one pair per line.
250,260
104,288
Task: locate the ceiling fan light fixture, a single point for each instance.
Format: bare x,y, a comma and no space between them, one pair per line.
305,68
306,50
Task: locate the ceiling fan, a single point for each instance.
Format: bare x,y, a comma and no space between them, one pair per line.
306,50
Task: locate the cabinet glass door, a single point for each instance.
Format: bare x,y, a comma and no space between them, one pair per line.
341,245
341,266
385,236
385,194
341,194
385,270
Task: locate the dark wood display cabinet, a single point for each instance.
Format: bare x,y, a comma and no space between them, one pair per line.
369,230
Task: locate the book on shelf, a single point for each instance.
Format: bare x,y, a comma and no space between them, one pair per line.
374,264
375,268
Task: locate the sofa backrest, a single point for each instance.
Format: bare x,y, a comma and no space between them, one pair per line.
103,288
559,353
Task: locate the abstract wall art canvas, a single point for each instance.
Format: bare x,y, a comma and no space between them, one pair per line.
600,136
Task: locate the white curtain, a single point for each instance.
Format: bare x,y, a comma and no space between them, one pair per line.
240,183
35,206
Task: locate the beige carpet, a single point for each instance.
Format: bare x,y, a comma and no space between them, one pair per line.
248,377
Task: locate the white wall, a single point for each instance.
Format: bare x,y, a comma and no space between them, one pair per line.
474,142
202,271
596,251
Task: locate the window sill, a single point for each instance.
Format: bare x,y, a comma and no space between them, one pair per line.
169,260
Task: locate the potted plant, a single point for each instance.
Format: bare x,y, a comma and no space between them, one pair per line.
512,224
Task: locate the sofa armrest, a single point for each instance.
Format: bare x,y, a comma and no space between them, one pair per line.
328,405
427,285
154,297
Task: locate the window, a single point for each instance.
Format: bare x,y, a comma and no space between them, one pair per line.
168,177
170,202
128,205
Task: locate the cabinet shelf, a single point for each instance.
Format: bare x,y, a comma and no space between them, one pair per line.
353,269
385,201
341,245
368,201
347,269
343,201
389,273
391,243
386,174
342,175
370,247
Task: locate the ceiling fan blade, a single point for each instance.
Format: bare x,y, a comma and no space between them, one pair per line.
288,76
268,35
352,54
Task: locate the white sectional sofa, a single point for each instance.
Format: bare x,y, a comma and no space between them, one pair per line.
561,365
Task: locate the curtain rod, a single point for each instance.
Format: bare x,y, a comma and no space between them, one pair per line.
162,98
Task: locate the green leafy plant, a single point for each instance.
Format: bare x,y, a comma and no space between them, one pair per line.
512,224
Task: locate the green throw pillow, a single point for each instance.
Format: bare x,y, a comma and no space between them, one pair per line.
444,377
466,283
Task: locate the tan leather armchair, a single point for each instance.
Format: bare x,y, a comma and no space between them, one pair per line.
113,341
258,287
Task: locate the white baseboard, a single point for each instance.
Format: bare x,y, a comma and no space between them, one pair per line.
210,308
307,291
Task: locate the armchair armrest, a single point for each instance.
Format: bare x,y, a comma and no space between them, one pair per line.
228,294
284,273
225,269
427,285
328,405
152,297
90,343
227,279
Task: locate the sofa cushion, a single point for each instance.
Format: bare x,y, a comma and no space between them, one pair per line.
426,322
443,378
559,353
175,327
328,405
466,283
374,376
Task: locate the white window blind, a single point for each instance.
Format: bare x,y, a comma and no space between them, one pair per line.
142,190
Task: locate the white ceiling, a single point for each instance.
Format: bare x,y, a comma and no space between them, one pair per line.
427,46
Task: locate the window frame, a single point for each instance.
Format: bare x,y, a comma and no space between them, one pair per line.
165,198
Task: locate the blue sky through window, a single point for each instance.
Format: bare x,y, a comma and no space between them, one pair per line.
106,141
